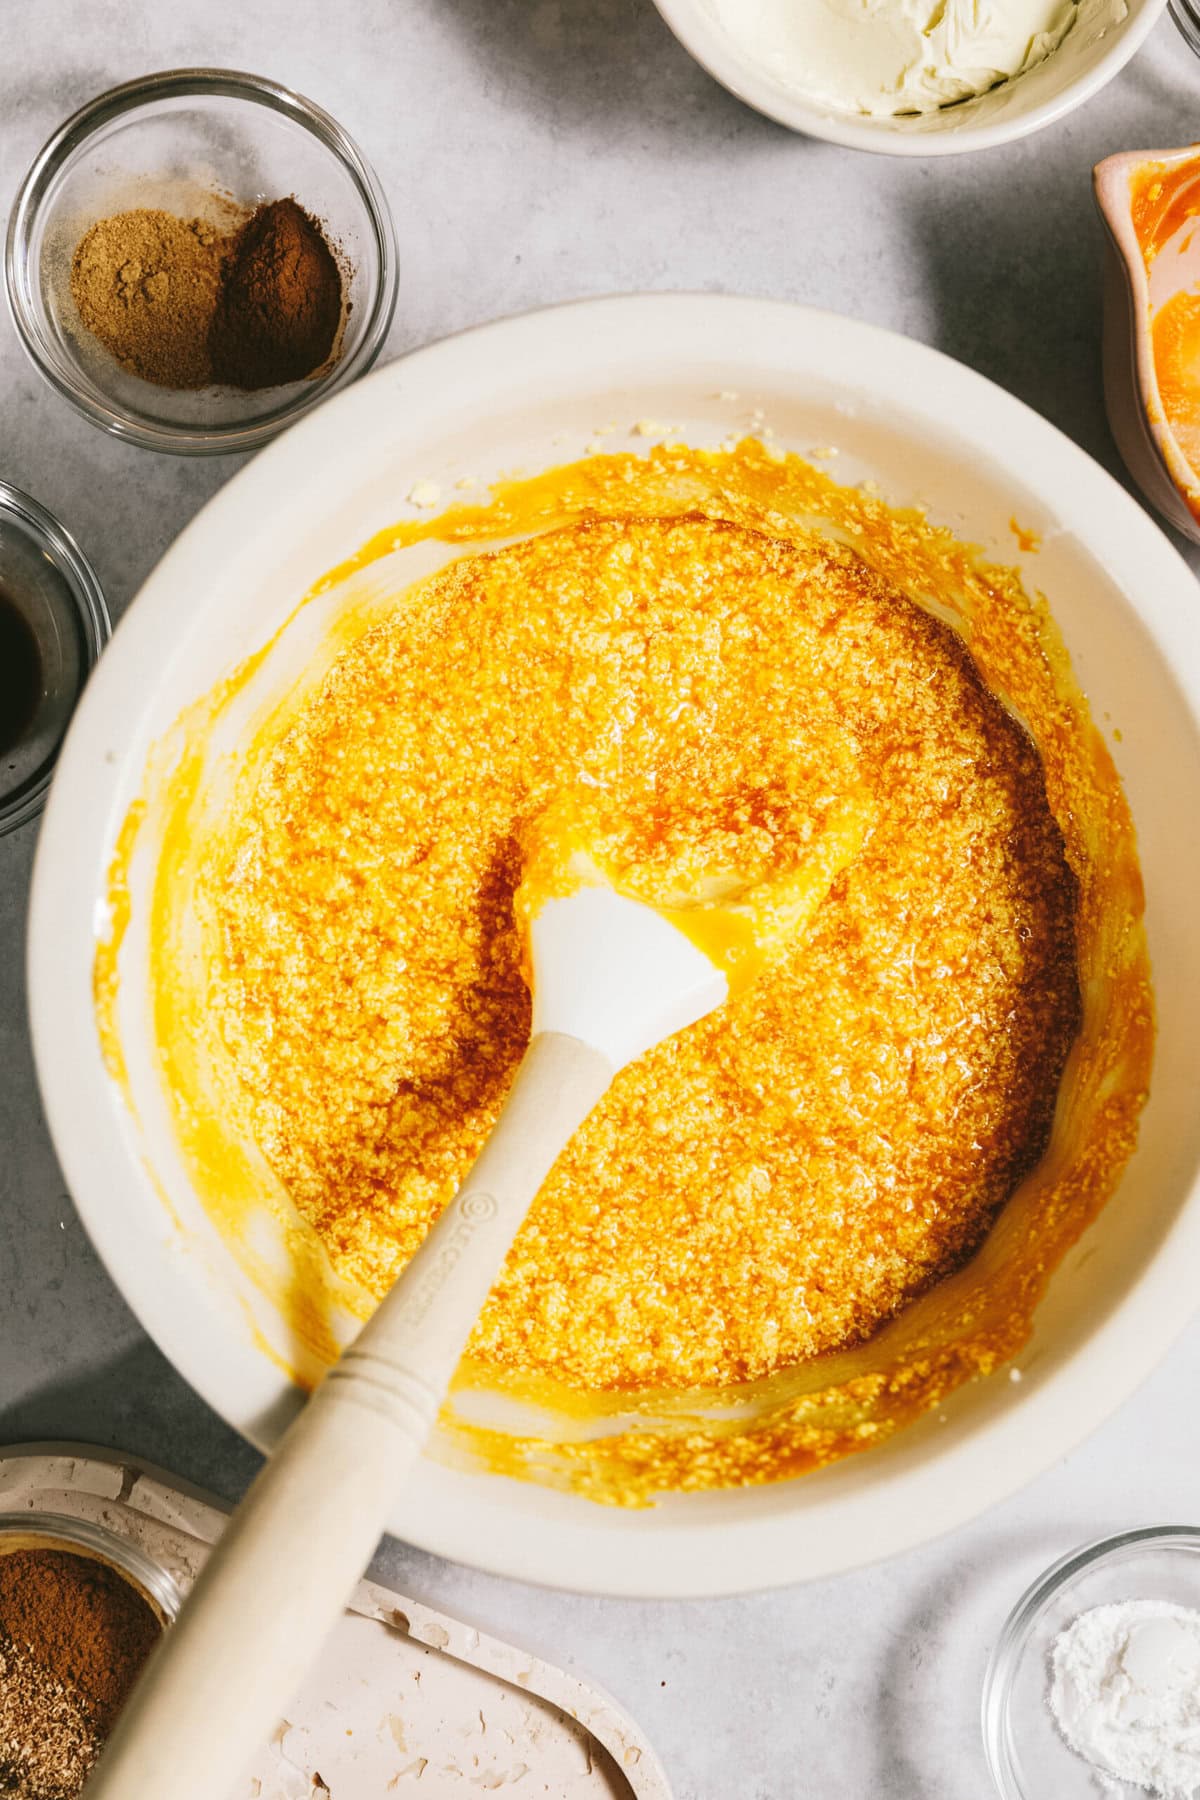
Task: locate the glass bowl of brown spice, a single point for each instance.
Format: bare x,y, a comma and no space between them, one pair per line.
81,1608
197,258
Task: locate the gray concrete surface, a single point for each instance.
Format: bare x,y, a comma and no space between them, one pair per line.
536,150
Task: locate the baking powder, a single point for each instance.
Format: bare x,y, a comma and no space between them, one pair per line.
1125,1692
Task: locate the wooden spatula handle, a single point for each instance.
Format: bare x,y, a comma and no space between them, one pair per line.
290,1556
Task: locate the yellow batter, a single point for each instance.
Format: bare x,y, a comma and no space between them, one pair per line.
784,1234
780,1178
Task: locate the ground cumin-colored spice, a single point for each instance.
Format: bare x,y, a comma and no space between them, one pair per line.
146,284
73,1637
49,1738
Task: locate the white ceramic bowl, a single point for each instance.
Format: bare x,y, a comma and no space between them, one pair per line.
531,392
1068,77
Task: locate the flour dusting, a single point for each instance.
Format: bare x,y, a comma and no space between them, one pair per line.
1125,1692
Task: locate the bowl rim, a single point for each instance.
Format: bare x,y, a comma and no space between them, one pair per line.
996,1694
20,276
502,364
88,1537
704,40
91,610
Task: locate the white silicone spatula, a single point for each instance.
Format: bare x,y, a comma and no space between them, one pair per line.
611,978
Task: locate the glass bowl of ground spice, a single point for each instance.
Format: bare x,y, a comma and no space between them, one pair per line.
80,1611
197,258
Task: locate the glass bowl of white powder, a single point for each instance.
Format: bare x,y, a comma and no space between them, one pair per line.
1094,1684
917,77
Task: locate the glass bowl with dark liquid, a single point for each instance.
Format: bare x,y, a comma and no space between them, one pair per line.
53,626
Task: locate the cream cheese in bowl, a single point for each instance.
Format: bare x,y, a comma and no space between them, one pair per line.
883,57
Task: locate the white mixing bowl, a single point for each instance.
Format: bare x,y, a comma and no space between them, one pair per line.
1079,68
528,393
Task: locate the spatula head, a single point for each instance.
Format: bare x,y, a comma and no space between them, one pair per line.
617,974
623,974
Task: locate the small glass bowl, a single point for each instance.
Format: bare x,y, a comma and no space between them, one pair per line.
174,141
1027,1756
59,1531
47,580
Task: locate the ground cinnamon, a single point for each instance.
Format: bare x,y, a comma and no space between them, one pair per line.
73,1636
280,303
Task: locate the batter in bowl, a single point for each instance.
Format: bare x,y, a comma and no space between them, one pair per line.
796,1226
781,1178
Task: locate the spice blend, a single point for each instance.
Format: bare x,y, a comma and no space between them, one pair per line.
73,1637
186,303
